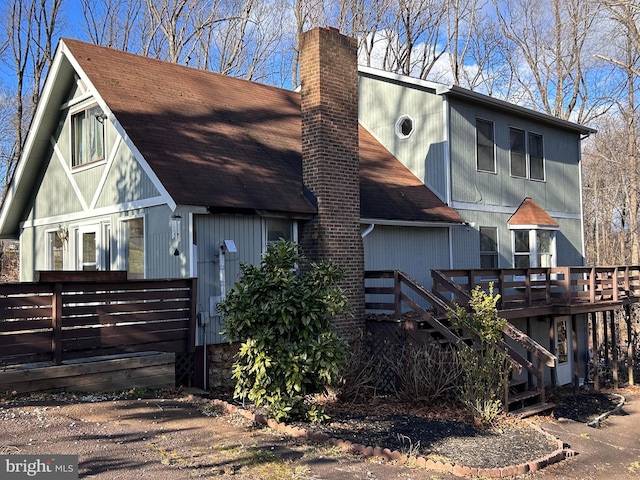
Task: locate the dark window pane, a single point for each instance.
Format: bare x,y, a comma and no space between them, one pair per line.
518,153
536,157
521,261
485,145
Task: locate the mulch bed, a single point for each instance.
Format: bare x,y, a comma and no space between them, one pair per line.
455,442
447,433
583,407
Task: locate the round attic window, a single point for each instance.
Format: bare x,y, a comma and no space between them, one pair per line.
404,126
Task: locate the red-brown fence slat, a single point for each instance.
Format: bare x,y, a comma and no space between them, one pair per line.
24,326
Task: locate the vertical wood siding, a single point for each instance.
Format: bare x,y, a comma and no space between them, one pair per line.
559,192
383,103
414,250
211,231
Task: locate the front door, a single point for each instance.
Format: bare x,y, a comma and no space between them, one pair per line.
563,350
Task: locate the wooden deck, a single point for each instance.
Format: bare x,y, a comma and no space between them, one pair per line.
545,291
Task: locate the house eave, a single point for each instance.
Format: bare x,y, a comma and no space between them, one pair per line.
455,91
409,223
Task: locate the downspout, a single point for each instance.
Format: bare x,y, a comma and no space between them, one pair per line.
447,147
447,166
368,230
584,253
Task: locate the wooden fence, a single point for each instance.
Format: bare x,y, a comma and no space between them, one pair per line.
54,321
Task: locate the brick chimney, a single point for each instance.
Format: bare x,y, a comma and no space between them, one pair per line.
330,159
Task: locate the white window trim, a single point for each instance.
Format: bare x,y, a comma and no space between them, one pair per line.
77,231
265,232
48,259
120,262
533,244
527,155
398,126
78,108
495,155
497,252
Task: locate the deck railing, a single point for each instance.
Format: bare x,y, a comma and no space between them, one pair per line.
565,286
397,293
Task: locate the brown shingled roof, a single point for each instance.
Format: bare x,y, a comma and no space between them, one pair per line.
227,143
530,213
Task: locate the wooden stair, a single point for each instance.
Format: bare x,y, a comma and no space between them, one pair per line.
523,401
523,398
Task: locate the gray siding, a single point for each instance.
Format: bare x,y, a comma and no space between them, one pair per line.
560,192
127,181
160,259
210,232
465,245
381,104
414,250
466,240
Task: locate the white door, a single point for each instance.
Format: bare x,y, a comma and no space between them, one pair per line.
564,350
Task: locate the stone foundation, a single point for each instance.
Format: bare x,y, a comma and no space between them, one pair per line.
221,358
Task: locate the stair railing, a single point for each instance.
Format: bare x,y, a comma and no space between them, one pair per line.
442,305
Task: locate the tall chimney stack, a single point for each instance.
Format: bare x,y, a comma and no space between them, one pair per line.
330,159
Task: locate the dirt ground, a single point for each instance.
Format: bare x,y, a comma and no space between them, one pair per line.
180,438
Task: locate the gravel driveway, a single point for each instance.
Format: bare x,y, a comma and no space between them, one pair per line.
182,438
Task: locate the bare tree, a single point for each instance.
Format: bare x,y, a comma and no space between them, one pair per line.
112,22
461,26
625,55
606,194
413,34
29,27
551,37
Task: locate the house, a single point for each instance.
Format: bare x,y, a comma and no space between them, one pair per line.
166,171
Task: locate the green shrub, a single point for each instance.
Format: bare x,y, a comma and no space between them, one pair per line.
485,365
282,313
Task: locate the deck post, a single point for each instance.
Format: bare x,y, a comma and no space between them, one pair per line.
614,349
594,342
56,323
552,349
605,331
397,295
630,352
541,369
574,342
529,357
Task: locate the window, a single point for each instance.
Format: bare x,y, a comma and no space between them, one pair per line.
534,248
521,166
87,129
55,247
133,245
485,150
488,247
544,246
518,153
280,228
536,157
404,126
521,250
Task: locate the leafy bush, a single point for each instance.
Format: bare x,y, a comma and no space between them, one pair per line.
283,316
485,366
